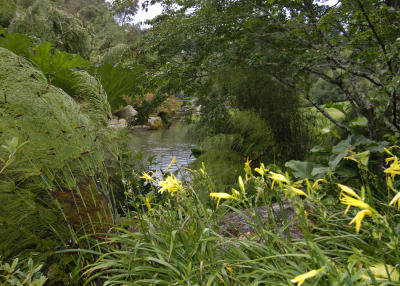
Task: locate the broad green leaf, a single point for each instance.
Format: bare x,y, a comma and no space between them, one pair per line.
300,169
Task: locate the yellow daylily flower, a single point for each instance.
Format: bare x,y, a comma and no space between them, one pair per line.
351,158
395,200
352,202
171,184
247,167
172,162
301,278
387,160
241,184
147,177
359,217
351,152
261,170
316,183
229,269
394,168
148,203
277,177
349,191
220,196
235,194
297,191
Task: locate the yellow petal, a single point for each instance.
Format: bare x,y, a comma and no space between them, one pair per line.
359,217
395,199
172,162
278,177
315,185
387,160
350,158
171,184
349,201
301,278
235,194
241,185
247,166
260,171
146,177
221,195
348,190
298,191
148,203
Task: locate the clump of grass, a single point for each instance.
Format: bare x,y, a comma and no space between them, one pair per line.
179,242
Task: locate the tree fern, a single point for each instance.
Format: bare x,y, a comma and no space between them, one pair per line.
17,43
120,83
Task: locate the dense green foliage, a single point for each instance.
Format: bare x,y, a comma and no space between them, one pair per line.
86,28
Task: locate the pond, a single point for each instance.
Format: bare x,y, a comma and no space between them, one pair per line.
164,144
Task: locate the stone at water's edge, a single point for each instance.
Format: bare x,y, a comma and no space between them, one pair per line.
155,122
241,225
140,127
126,113
115,123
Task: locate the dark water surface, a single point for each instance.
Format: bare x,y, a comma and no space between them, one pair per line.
164,144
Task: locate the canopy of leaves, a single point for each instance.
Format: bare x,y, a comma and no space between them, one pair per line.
86,28
351,47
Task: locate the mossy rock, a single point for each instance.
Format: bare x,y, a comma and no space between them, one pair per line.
62,154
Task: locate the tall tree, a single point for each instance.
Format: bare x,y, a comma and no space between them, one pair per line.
353,45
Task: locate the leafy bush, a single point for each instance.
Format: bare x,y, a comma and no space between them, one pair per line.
51,24
120,83
249,136
12,274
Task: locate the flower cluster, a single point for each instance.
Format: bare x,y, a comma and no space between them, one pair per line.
393,170
350,198
170,184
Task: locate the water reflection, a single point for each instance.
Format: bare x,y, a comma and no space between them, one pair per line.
164,144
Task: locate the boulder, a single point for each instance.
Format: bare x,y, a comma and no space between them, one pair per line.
155,122
117,123
126,113
241,224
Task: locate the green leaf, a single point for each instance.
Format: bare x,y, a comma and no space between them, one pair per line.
17,43
360,121
335,106
300,169
319,172
363,158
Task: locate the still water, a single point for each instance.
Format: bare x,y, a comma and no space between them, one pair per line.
164,144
